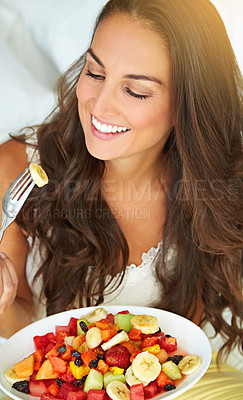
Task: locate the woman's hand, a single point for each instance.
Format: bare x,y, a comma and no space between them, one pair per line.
8,282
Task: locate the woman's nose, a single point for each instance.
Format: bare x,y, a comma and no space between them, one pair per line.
105,101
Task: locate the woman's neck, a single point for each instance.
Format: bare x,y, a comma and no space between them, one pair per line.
134,169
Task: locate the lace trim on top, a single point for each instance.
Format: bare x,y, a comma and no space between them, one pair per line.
147,258
32,152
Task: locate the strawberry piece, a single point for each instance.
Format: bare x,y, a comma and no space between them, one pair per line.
118,356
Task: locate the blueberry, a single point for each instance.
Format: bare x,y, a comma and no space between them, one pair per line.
83,326
79,382
75,353
93,364
176,358
101,356
59,381
78,361
62,349
169,387
22,386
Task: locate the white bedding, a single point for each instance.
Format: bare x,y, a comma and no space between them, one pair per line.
39,39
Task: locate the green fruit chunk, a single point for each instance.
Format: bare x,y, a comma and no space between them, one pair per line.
109,377
171,370
123,321
94,380
79,329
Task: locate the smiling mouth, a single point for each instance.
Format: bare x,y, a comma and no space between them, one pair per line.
105,128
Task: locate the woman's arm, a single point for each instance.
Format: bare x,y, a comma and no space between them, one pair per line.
15,294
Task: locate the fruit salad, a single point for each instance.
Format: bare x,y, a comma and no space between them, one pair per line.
103,356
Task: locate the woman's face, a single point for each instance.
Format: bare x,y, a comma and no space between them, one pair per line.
124,91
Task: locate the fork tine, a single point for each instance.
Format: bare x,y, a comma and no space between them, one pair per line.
25,193
20,184
15,183
24,186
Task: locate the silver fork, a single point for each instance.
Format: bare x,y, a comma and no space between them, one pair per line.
14,198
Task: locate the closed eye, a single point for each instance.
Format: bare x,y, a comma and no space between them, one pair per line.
136,95
94,76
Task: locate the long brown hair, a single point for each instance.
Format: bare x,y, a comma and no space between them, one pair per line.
204,196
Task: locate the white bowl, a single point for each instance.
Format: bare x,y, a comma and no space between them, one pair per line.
189,337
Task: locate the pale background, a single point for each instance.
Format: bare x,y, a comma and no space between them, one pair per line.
39,39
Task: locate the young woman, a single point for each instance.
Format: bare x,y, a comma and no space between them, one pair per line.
144,158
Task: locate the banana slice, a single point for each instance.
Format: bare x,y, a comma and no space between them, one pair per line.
146,323
38,174
146,367
117,339
11,377
93,337
131,379
96,315
117,390
189,364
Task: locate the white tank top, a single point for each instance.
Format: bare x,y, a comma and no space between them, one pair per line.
139,287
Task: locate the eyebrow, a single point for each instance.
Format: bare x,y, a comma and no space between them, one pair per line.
128,76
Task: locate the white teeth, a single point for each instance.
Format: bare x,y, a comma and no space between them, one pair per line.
108,128
114,129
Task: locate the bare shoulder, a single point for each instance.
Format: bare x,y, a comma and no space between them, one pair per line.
13,161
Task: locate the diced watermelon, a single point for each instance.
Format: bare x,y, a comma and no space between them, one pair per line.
42,341
67,377
73,326
137,392
62,328
150,390
148,342
65,389
161,339
61,332
76,395
96,394
51,337
49,347
110,318
169,344
124,312
37,388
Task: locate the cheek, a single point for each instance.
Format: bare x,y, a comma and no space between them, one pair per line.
82,90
